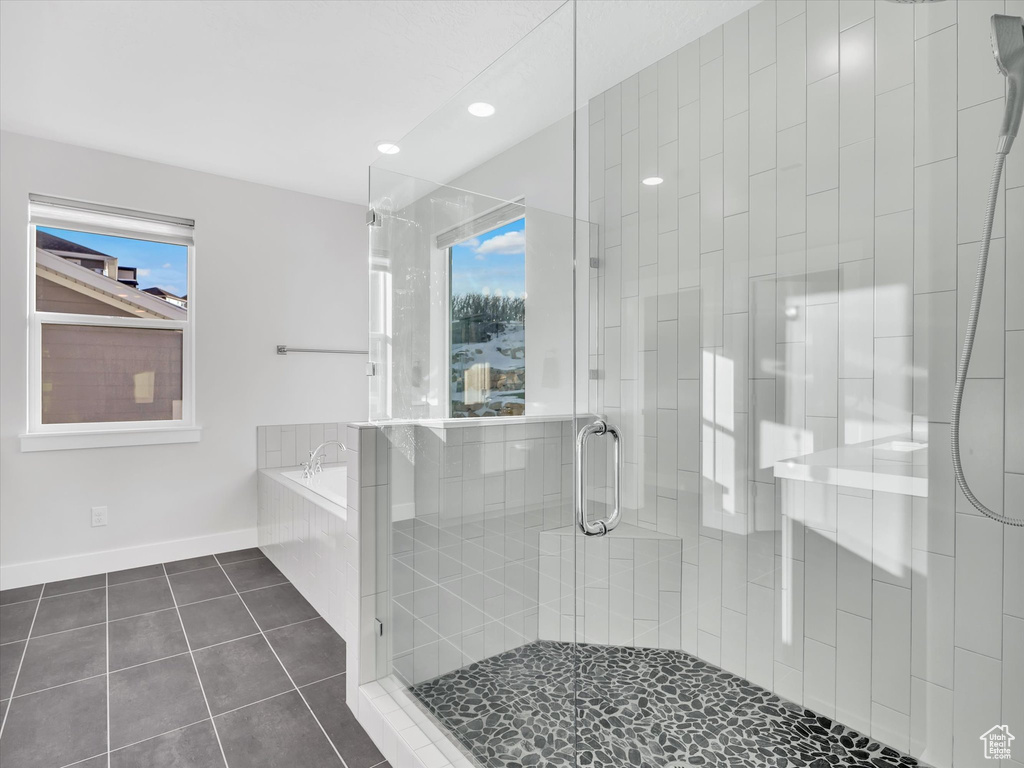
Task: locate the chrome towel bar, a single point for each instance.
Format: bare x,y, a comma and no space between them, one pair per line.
284,349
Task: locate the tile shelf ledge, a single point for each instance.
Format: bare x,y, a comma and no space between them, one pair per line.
893,465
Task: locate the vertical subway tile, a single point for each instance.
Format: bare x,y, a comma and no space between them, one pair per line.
890,647
823,247
736,165
792,72
668,199
711,45
935,221
667,98
894,151
1015,266
762,119
853,668
935,107
853,555
820,676
612,127
736,268
711,96
931,722
689,241
856,83
977,703
977,129
894,274
935,356
856,201
792,181
630,101
736,65
630,172
711,191
762,223
688,73
823,134
822,345
788,9
762,37
932,593
987,360
894,47
977,79
688,150
979,565
931,17
822,39
856,333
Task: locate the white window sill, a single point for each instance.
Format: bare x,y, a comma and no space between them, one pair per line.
64,441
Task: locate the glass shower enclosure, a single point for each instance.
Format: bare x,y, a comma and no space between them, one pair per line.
663,345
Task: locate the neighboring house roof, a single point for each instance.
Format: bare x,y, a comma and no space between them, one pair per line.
161,293
49,242
102,288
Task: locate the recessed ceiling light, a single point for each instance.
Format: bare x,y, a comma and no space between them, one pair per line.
653,181
481,109
387,148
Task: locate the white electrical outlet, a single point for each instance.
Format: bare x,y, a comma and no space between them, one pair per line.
99,516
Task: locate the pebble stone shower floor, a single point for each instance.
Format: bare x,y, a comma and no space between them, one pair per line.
212,661
647,708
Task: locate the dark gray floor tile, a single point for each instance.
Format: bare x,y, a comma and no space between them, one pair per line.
20,594
55,588
56,727
63,658
239,554
310,651
254,574
16,620
148,637
217,621
327,700
135,574
274,607
136,597
193,586
57,614
10,659
192,747
191,564
154,698
240,672
278,732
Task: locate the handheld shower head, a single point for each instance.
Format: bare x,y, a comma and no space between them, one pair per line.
1008,50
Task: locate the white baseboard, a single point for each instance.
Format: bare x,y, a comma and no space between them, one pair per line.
87,564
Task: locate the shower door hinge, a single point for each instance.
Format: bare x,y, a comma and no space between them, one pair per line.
595,374
378,627
595,262
372,219
371,369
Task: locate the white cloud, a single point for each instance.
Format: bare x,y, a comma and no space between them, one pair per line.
142,273
480,258
506,244
485,291
167,265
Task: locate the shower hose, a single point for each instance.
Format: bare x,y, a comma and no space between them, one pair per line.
965,356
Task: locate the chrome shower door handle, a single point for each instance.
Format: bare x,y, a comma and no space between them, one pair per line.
600,527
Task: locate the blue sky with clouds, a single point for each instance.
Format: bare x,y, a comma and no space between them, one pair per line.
160,265
493,263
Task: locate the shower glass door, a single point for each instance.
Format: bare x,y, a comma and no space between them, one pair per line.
472,386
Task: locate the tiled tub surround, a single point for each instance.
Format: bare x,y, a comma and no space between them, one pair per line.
650,708
210,661
305,535
288,445
800,282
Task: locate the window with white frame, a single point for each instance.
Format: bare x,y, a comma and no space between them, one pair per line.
487,304
111,306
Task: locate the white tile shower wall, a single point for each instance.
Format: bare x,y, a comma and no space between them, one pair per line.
289,445
468,505
830,161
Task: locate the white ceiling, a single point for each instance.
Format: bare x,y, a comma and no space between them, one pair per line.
297,94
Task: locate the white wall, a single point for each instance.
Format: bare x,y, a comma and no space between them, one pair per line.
272,267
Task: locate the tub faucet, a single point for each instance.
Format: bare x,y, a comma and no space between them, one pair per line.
315,464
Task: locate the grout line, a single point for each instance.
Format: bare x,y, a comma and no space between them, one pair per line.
157,736
260,556
59,685
21,602
21,663
68,594
254,703
106,583
288,674
321,680
81,762
195,667
130,581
